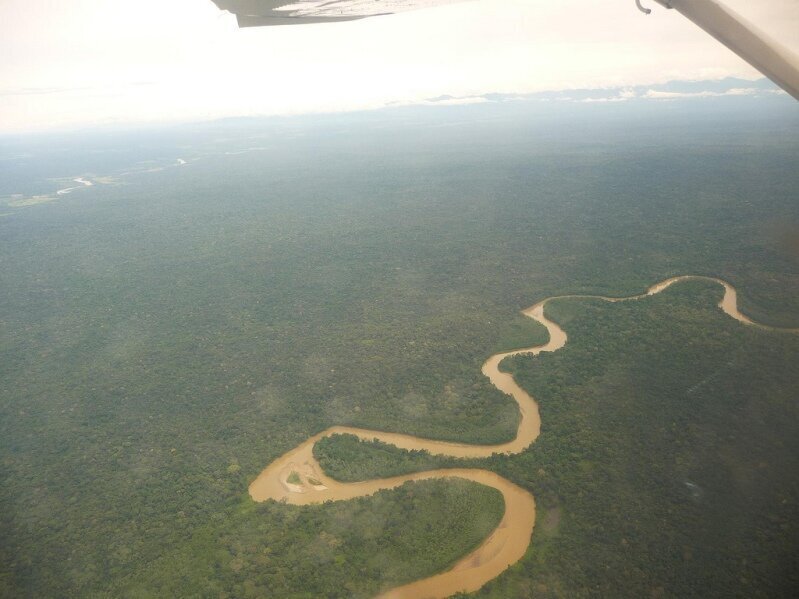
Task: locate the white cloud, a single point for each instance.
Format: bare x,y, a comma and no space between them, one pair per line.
85,61
455,101
604,100
664,95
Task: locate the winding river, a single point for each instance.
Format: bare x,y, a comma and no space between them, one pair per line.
297,478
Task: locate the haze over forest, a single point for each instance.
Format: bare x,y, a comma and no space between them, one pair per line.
180,306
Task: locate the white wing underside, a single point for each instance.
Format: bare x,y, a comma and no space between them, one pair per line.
253,13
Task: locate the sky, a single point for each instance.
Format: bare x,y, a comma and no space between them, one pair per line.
76,63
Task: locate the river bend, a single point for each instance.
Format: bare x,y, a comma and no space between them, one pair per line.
508,543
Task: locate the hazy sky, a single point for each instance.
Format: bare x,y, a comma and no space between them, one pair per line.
79,62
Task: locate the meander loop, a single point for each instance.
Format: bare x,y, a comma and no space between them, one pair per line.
508,543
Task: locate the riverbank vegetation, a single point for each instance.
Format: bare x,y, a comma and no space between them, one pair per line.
346,549
166,338
667,428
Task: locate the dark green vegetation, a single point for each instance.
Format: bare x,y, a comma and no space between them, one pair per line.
347,549
671,459
347,459
164,339
668,456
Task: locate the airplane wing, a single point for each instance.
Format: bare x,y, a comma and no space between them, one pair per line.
256,13
771,58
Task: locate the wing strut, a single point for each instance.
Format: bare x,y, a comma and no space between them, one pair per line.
768,56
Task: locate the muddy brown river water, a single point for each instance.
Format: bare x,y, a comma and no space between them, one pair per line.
508,543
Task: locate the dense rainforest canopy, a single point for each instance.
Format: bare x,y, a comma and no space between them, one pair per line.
171,330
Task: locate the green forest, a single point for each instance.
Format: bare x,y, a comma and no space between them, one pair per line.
648,470
165,337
